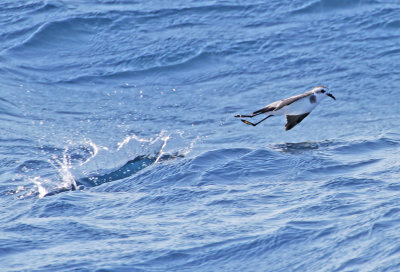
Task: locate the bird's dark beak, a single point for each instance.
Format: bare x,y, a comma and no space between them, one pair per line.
330,95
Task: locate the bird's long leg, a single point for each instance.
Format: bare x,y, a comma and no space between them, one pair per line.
255,124
243,116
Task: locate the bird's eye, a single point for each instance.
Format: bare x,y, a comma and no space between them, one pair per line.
322,91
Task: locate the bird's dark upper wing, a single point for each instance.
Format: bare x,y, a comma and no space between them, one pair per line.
290,100
264,110
293,120
277,105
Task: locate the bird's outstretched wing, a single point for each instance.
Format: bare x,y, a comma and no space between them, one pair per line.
264,110
277,105
293,120
292,99
270,107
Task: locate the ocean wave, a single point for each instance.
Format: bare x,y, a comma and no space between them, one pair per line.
329,5
88,165
72,42
60,35
195,61
83,165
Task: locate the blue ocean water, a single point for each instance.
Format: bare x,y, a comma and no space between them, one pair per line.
119,150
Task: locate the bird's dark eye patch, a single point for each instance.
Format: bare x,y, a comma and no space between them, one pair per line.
322,91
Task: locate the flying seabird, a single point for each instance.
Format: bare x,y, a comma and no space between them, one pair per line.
296,108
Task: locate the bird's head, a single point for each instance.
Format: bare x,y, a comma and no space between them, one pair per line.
321,92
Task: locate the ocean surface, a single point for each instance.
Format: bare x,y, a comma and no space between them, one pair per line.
119,150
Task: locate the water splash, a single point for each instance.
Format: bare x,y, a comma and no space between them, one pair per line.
87,164
145,152
63,165
163,137
41,186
